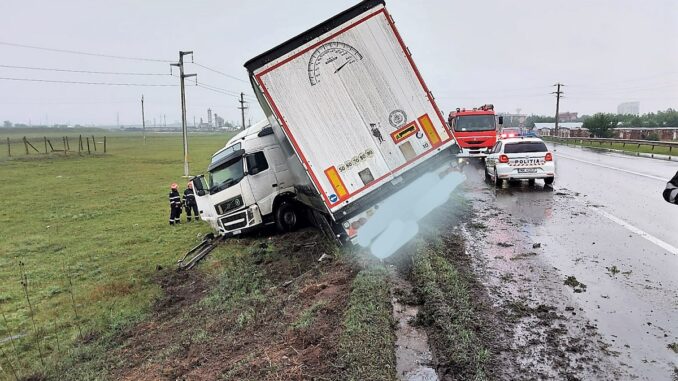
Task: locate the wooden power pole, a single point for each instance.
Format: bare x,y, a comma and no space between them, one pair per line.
242,108
184,130
143,118
558,95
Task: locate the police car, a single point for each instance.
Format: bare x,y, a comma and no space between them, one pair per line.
520,158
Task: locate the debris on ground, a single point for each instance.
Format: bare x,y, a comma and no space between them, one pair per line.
576,285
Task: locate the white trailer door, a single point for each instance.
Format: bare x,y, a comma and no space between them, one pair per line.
354,107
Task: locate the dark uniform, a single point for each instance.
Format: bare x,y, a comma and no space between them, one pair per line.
671,191
190,204
175,207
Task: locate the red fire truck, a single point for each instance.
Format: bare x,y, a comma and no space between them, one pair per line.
475,129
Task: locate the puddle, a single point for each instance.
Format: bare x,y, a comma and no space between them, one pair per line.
413,355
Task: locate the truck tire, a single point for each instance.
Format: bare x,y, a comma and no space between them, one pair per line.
286,217
549,180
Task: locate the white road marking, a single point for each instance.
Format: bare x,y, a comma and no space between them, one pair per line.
664,245
614,168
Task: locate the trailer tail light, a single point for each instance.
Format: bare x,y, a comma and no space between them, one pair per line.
548,157
511,135
503,159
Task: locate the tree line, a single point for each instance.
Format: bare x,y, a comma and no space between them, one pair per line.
668,118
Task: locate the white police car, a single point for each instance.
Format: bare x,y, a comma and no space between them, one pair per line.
520,158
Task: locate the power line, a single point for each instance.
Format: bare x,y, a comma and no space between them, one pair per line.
86,83
82,53
219,72
78,71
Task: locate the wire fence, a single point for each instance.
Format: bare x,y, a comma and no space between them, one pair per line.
36,146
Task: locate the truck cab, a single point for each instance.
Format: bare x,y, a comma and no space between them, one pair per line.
475,129
245,183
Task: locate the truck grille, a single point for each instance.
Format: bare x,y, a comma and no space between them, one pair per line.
228,205
235,221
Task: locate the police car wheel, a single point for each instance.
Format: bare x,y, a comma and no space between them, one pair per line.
286,217
497,180
487,175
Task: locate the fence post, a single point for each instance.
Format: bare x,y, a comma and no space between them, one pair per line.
68,144
95,143
9,148
88,151
25,145
65,150
45,137
104,144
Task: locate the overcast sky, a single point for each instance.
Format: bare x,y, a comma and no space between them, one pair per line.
505,52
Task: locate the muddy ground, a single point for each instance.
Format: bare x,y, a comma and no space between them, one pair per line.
473,298
278,319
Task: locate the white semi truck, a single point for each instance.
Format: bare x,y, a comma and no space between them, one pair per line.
350,123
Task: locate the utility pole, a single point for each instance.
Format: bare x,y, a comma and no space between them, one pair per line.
242,108
558,95
143,118
184,131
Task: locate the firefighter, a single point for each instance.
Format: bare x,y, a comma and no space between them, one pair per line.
189,202
175,205
671,192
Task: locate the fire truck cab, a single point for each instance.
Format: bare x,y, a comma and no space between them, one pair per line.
475,129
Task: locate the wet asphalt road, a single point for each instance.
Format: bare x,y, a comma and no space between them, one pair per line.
605,223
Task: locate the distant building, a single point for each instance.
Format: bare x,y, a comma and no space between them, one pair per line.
651,133
565,130
218,121
568,116
209,117
629,108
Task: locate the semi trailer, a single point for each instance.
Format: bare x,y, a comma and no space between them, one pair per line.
350,124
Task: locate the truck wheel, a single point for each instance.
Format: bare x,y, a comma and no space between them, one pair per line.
286,217
548,180
497,181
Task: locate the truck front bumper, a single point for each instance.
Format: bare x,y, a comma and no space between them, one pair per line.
239,221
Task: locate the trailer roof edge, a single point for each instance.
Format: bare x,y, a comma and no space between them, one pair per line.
315,32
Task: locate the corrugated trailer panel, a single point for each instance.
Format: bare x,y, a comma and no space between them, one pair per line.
354,107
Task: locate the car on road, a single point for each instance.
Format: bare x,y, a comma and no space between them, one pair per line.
520,158
507,133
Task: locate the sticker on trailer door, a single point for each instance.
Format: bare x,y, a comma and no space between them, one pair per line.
397,118
330,59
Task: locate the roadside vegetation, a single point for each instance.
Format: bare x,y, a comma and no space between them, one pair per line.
367,342
81,239
448,311
624,147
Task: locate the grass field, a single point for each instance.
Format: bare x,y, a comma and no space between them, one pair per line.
88,232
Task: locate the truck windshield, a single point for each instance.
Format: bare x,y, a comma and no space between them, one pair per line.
470,123
226,175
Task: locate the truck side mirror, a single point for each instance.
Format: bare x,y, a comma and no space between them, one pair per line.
501,120
198,185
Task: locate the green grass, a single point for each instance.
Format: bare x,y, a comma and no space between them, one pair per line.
448,312
99,222
628,147
308,315
367,342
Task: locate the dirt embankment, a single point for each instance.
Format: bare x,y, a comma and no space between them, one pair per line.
268,311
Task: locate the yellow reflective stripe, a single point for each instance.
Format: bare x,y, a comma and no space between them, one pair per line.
429,130
338,185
